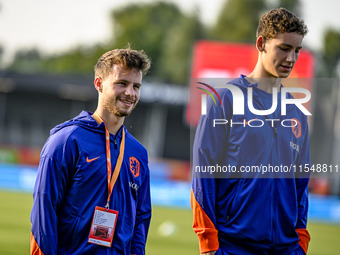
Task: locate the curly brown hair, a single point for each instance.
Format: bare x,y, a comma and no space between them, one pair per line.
280,21
128,58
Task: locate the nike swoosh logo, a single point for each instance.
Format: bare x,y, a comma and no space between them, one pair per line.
92,159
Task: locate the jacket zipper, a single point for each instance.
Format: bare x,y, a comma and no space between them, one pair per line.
274,161
275,157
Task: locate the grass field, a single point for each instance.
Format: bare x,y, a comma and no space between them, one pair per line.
15,230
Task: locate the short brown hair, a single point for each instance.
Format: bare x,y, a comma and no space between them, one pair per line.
280,21
128,58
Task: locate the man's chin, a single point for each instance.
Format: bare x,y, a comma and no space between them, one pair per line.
123,113
119,113
283,75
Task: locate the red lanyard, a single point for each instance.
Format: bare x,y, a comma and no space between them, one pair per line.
111,181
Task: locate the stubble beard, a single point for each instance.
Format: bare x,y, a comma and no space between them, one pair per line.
111,107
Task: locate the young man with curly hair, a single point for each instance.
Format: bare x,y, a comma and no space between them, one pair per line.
92,193
242,214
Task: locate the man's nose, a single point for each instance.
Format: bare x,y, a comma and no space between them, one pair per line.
292,56
129,90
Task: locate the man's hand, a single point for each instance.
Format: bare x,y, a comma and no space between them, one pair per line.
209,253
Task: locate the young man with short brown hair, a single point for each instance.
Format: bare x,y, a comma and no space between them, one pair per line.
92,193
246,213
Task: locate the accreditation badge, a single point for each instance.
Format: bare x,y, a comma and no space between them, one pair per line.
103,226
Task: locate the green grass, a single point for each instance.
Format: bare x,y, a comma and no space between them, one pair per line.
15,230
15,226
325,239
182,241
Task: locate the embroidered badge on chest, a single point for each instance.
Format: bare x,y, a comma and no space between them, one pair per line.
296,127
134,166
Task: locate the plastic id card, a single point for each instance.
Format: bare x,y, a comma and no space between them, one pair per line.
103,226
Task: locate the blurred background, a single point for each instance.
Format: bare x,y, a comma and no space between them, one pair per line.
47,53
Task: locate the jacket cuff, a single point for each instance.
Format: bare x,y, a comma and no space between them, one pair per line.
304,238
34,247
208,240
204,228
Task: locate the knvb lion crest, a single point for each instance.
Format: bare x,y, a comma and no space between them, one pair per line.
296,128
134,166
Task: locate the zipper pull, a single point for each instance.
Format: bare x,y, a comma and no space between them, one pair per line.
275,132
115,142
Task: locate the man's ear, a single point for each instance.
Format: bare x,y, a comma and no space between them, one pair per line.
98,84
260,43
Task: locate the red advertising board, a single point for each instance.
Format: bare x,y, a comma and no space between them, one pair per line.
226,60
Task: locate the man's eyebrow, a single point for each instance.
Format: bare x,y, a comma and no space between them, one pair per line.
291,46
126,81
